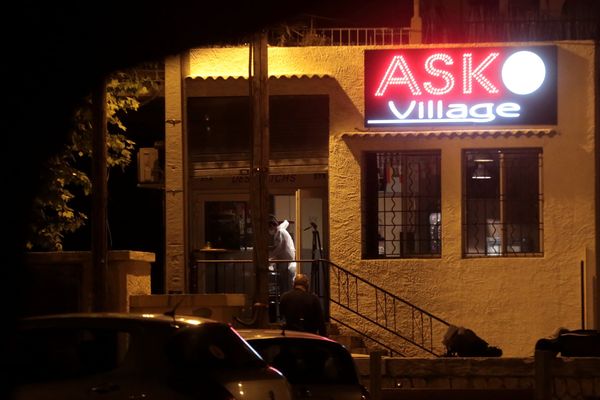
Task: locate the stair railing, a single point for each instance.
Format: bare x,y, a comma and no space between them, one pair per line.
334,284
391,350
394,315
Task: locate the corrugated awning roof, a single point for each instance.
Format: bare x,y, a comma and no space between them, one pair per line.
453,134
305,165
286,76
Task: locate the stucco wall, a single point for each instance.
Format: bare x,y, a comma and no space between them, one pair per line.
510,302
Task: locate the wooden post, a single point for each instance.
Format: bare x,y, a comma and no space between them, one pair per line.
259,174
298,229
582,290
99,196
375,375
175,260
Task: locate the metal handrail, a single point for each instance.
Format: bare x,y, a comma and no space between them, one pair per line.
391,350
388,310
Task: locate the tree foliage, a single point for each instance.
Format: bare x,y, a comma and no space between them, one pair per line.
64,176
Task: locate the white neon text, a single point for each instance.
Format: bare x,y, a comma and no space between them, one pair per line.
435,112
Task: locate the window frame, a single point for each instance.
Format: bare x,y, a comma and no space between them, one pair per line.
409,247
501,227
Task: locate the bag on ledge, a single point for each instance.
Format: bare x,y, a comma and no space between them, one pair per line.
463,342
572,343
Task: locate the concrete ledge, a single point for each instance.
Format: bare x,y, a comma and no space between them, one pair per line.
62,257
459,366
451,372
62,281
187,300
577,366
457,394
479,378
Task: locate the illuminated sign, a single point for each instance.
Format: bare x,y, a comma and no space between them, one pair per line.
466,86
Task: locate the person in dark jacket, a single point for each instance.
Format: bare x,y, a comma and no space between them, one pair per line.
301,310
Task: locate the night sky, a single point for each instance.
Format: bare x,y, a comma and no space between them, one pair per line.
54,53
374,13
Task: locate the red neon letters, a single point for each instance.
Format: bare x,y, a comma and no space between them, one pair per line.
400,73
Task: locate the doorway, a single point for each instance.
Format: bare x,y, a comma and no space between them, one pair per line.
308,208
221,230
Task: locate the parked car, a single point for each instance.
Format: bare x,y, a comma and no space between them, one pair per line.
145,356
317,367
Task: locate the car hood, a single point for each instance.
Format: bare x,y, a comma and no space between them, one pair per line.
266,383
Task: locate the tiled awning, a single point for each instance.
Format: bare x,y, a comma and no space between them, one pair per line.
245,77
461,134
304,165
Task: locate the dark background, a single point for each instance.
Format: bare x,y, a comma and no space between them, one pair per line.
55,53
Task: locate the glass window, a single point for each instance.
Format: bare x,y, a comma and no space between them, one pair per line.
220,128
402,205
308,361
228,224
212,346
502,201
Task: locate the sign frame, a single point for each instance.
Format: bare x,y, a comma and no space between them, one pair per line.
450,86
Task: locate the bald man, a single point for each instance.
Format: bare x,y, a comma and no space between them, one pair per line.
301,309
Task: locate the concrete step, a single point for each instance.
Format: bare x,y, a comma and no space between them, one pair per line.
353,342
333,329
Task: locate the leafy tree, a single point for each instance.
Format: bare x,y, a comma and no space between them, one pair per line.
64,175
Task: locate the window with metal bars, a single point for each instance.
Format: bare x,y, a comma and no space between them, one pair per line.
502,202
402,212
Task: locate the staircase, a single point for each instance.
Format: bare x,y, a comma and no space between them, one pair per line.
354,342
366,317
363,316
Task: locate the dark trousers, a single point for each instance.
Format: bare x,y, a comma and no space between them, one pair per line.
283,278
279,283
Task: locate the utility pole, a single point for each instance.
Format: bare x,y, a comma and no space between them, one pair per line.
99,196
259,173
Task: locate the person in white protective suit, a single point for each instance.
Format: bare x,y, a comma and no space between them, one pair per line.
282,252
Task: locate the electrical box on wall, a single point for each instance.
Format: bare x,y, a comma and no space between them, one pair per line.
147,165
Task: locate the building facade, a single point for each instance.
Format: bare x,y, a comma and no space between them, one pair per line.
429,171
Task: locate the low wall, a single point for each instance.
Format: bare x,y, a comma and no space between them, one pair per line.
58,282
543,377
451,373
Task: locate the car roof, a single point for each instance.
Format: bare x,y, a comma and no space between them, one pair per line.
181,320
251,334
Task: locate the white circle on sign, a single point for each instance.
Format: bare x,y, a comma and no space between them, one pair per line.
523,72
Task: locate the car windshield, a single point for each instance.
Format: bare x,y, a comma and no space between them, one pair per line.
305,361
212,346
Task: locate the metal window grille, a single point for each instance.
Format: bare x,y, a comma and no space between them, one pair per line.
407,212
502,200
